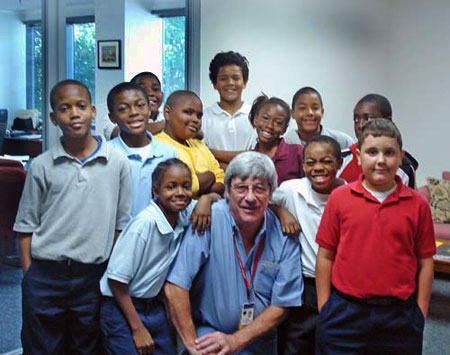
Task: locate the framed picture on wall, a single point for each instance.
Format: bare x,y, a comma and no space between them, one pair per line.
109,55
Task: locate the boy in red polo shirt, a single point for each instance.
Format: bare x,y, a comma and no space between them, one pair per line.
374,268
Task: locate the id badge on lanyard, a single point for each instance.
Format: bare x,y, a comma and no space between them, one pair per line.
248,309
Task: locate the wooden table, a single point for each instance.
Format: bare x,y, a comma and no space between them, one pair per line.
442,257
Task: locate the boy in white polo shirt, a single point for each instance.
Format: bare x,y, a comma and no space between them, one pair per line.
225,125
306,199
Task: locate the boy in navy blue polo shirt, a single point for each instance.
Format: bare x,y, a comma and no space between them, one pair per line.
76,199
377,243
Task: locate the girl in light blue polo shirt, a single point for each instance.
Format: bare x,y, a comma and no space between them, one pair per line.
132,317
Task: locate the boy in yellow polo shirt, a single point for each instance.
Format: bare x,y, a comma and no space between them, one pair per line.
183,113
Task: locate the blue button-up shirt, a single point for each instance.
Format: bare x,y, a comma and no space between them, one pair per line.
207,266
141,171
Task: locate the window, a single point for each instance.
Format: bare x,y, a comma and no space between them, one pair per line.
81,53
34,66
174,54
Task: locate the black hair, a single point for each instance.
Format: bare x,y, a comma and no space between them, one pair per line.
119,88
227,58
380,128
328,140
262,100
162,167
306,90
383,104
176,95
55,90
135,78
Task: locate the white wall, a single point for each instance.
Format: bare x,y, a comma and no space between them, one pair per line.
109,25
419,81
341,50
143,40
12,64
344,49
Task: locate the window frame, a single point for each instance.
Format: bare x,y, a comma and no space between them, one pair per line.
30,58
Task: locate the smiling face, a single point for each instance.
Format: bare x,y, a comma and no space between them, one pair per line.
271,122
73,111
321,165
184,118
308,112
130,112
364,112
248,200
152,87
379,158
230,83
175,191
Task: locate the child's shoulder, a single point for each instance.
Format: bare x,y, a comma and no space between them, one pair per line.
112,154
43,161
162,148
295,184
413,194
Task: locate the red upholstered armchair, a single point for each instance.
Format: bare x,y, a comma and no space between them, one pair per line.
442,229
12,179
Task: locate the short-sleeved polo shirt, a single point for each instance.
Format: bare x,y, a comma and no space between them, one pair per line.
144,252
141,171
72,208
377,245
223,131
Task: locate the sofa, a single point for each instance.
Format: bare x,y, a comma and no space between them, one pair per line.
442,230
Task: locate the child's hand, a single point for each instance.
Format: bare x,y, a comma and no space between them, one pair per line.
201,216
289,224
143,341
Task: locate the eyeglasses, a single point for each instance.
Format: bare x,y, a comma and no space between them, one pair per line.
258,190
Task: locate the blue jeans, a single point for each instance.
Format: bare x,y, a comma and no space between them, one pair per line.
60,307
116,332
347,326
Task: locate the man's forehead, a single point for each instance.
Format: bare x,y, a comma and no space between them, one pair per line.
249,179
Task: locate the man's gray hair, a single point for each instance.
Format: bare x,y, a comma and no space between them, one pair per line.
252,164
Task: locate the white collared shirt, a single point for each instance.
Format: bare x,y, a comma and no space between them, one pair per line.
223,131
298,197
344,140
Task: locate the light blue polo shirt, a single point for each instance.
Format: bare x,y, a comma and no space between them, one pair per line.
141,171
207,266
144,252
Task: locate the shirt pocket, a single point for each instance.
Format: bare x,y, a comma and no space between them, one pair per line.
265,278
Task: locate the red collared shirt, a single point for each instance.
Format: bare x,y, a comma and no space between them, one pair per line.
377,245
288,160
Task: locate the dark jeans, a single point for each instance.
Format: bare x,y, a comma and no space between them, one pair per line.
60,307
347,326
116,333
296,334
